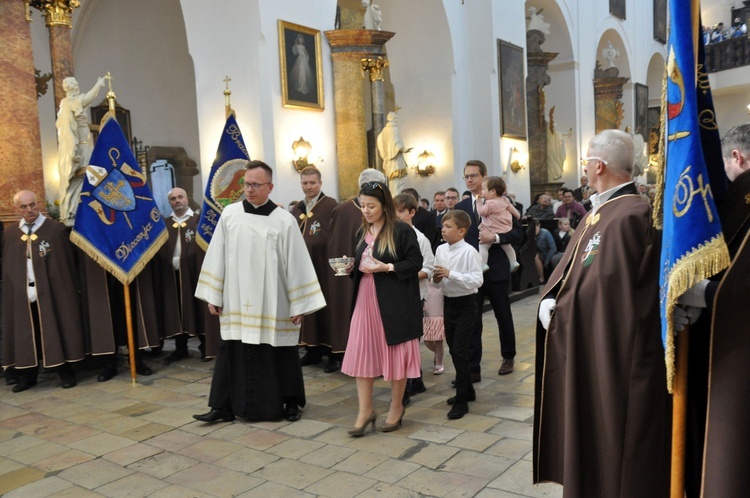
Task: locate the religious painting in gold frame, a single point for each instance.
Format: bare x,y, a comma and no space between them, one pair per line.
301,66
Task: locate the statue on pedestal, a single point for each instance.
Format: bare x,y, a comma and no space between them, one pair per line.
556,154
391,149
536,21
610,53
373,16
74,144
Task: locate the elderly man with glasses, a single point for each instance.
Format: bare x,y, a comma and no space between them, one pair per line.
601,421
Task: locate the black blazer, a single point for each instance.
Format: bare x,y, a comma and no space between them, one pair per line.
398,291
496,257
426,222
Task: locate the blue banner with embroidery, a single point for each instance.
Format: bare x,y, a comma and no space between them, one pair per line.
693,246
117,223
225,181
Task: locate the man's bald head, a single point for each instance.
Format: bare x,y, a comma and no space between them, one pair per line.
178,200
26,203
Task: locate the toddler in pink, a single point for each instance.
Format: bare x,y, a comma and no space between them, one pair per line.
497,217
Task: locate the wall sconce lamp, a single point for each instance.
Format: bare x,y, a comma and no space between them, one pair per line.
516,160
301,149
748,108
424,165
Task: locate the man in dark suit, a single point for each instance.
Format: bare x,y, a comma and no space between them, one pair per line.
424,221
496,279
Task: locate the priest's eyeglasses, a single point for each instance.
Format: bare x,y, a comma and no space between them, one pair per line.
586,160
255,186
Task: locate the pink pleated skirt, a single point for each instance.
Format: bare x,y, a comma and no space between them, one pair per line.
432,325
367,352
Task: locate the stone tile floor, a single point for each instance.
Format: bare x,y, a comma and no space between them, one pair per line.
117,439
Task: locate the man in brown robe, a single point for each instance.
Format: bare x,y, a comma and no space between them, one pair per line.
313,214
346,219
601,424
179,261
41,312
718,392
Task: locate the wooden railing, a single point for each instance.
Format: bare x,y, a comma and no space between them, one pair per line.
729,54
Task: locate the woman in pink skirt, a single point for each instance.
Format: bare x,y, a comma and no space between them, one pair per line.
387,319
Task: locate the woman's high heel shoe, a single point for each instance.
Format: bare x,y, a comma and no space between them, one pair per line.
360,431
394,426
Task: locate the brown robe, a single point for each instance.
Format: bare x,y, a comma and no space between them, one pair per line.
177,296
727,452
316,230
57,299
601,426
346,220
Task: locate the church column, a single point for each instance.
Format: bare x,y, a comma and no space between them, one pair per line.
348,48
376,66
537,62
607,94
20,142
58,17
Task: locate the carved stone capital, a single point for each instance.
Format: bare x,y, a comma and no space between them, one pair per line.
375,67
56,12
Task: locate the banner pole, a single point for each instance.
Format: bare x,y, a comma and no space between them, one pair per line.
679,414
131,342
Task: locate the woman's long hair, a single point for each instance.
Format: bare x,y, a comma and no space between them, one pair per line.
385,241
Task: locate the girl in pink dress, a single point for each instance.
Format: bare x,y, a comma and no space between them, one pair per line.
497,217
387,319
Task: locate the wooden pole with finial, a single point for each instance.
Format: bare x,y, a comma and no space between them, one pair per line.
227,93
128,316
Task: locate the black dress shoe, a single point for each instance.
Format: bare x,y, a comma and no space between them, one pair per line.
415,386
452,400
68,379
215,415
142,369
177,355
458,411
11,376
332,366
106,374
292,412
310,359
24,383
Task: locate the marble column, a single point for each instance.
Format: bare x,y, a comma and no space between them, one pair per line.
58,17
538,64
348,48
607,94
20,141
376,66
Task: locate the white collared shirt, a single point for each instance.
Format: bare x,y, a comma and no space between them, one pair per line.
599,199
178,244
310,204
465,265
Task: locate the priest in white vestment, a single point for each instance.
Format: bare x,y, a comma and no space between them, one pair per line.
258,277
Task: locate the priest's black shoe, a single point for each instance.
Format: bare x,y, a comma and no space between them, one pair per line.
215,415
333,365
142,369
67,376
24,383
292,412
310,359
11,376
106,374
177,355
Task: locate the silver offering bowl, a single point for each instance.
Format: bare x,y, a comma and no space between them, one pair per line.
340,265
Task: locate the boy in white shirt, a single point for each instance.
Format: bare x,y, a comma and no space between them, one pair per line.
458,273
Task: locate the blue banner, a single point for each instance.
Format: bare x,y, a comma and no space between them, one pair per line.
225,181
117,223
693,246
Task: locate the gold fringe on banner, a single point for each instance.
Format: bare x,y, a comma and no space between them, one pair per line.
702,262
105,262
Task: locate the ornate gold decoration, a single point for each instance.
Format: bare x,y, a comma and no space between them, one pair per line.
56,12
301,149
375,67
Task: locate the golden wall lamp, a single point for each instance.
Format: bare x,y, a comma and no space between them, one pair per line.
425,166
516,160
301,149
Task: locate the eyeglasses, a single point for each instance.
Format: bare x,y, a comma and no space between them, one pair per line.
255,186
371,186
472,176
585,161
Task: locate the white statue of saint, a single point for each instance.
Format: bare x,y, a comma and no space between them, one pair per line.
373,15
610,53
391,149
74,144
536,21
641,156
556,153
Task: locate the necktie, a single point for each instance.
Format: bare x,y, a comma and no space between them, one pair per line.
28,228
476,211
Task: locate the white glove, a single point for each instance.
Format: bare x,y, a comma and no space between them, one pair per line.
546,307
695,296
685,316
